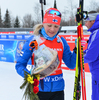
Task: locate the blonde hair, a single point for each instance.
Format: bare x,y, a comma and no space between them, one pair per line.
37,28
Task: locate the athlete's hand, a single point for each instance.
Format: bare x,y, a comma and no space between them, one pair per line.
33,44
83,42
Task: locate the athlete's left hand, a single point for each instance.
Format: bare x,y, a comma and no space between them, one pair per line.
83,42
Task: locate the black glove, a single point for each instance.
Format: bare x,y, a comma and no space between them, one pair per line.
75,49
79,17
87,41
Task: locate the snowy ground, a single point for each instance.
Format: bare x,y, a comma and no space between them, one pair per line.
10,82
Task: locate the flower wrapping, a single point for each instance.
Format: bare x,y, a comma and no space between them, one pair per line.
45,61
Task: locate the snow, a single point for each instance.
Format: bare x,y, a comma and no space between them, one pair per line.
69,77
10,82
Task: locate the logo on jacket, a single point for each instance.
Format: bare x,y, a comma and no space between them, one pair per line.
58,49
56,78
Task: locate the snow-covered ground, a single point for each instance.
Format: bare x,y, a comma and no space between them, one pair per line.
69,77
10,82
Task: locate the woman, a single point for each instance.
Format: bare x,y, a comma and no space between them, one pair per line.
52,86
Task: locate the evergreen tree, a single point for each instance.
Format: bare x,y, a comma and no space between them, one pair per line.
55,4
7,20
17,22
1,24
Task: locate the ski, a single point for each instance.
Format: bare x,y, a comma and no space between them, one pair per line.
80,36
79,73
77,86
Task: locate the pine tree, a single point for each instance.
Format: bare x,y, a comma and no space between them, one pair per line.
7,20
1,24
55,6
17,22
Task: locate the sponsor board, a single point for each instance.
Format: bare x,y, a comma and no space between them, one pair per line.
11,45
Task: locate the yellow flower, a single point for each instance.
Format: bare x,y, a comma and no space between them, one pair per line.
30,79
38,76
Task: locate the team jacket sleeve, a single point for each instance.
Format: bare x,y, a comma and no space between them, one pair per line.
23,59
92,51
69,57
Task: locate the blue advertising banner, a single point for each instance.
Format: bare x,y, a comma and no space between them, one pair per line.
11,45
8,50
14,36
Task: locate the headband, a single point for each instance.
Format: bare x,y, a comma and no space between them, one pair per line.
53,16
91,17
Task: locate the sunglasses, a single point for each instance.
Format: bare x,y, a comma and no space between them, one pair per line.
54,12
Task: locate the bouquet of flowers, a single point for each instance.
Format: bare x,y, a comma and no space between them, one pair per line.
31,83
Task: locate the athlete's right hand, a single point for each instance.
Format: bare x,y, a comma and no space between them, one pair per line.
33,44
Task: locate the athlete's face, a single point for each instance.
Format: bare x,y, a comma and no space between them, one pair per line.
51,29
89,24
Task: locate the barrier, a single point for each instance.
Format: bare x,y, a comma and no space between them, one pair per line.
11,45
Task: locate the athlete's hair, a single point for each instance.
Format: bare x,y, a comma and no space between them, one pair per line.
37,28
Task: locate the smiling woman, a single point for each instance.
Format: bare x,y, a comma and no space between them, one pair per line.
51,22
51,29
46,34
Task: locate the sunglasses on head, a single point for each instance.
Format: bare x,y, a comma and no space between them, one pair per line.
54,12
